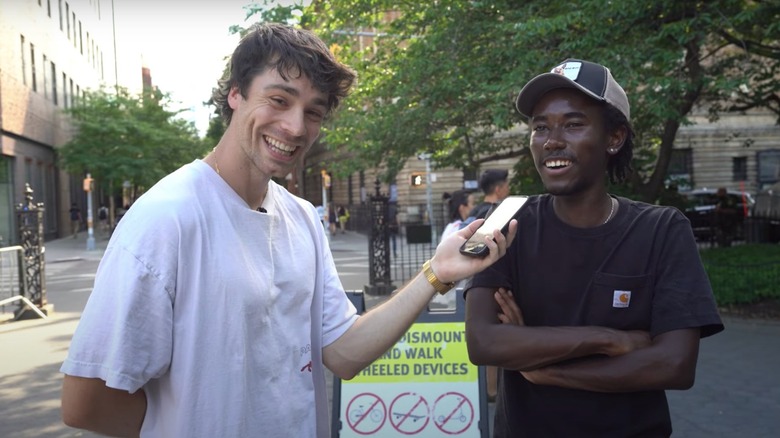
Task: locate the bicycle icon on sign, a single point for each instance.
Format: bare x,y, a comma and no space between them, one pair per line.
358,413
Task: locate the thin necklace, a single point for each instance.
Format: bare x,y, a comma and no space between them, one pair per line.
611,207
216,167
216,163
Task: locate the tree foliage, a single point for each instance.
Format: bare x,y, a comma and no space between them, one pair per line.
123,137
441,76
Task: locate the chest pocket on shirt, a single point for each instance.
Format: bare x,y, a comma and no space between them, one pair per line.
620,302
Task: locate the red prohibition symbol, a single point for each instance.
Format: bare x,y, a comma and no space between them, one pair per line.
453,413
409,413
366,413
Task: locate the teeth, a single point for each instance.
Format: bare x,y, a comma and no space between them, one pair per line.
557,163
279,146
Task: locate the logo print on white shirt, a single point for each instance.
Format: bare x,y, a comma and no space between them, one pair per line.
621,298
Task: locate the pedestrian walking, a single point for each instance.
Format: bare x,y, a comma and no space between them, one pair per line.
75,219
103,218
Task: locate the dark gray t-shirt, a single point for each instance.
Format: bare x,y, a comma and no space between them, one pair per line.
640,271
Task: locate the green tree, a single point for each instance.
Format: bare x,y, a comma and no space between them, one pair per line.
124,137
441,76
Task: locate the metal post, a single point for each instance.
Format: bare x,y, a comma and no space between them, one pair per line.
30,223
90,224
378,247
429,195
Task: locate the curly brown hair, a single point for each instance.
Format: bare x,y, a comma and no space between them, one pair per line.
292,52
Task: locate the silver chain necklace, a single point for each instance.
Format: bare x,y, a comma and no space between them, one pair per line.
611,209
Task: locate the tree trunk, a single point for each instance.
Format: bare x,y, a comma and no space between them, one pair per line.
649,191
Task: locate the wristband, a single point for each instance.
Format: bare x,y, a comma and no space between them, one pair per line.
440,287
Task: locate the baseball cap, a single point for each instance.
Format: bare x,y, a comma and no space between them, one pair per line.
593,79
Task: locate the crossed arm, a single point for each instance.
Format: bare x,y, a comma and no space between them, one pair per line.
590,358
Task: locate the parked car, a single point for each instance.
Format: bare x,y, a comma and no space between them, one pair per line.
767,213
701,211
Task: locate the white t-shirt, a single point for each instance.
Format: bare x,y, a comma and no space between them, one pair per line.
217,311
451,228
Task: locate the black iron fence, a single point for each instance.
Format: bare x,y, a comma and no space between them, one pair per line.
402,250
22,267
752,229
410,244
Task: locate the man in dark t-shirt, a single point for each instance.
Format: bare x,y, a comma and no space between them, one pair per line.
494,183
601,300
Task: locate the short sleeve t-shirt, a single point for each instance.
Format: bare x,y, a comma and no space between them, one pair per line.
640,271
217,311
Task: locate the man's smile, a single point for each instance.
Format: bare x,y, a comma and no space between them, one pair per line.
279,147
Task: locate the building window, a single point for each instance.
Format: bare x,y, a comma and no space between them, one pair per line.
72,96
28,173
60,10
67,17
81,39
681,168
45,77
48,7
32,68
64,90
24,62
768,166
739,168
73,16
54,83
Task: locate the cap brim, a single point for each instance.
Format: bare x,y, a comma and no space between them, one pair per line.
540,85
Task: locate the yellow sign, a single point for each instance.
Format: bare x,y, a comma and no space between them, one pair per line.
426,353
424,386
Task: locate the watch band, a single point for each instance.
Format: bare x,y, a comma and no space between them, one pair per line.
440,287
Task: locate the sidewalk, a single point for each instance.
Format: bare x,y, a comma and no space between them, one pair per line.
70,249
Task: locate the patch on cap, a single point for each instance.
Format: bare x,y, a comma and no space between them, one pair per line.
593,79
569,69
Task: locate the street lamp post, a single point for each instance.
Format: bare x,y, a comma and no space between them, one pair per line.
428,195
90,227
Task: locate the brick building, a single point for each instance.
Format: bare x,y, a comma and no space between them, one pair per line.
53,51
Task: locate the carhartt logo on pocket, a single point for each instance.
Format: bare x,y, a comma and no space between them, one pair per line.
621,298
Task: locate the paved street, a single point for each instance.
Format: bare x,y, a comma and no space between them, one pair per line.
737,391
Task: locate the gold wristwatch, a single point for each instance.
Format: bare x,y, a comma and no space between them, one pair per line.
440,287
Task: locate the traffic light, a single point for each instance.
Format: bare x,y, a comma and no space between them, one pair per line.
88,183
325,179
418,179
